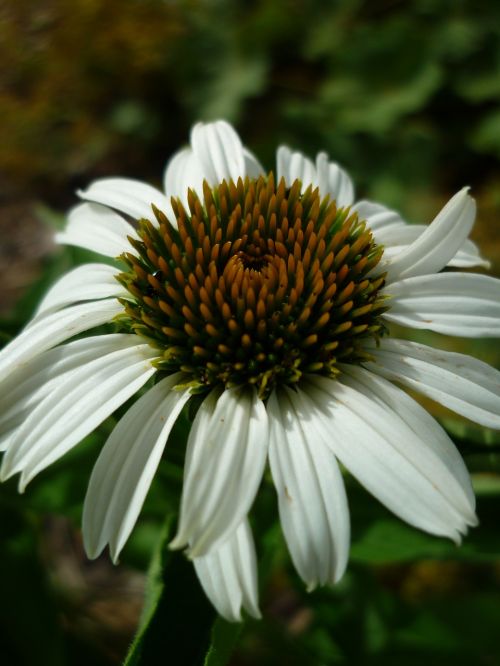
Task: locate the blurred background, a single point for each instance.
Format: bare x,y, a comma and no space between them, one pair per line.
405,95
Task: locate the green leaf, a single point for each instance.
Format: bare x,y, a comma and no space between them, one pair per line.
464,432
178,620
224,638
380,538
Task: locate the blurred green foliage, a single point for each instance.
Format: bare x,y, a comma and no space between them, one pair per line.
406,96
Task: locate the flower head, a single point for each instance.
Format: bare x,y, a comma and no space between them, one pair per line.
254,285
271,296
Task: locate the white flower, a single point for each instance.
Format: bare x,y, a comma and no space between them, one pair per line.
274,303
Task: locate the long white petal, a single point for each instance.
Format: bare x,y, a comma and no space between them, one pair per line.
462,304
75,408
228,574
391,230
461,383
396,238
382,439
126,465
53,329
23,389
311,494
421,422
219,151
97,228
84,283
333,180
129,196
225,459
292,165
439,243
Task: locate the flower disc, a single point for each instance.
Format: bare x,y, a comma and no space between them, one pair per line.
255,284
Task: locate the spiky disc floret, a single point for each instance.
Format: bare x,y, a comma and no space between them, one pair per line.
257,284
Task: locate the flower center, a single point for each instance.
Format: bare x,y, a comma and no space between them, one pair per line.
255,284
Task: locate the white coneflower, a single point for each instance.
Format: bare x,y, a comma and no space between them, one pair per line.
271,297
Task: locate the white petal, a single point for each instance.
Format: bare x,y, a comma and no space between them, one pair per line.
420,421
126,195
215,154
84,283
461,383
292,165
98,229
311,494
53,329
126,466
468,256
225,459
391,230
219,151
378,217
439,243
228,574
253,168
381,438
74,408
334,180
462,304
23,389
183,172
6,438
396,238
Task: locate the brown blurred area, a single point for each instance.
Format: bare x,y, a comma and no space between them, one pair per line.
100,604
64,66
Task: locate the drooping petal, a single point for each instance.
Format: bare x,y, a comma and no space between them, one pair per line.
98,229
311,495
126,195
462,304
126,465
84,283
219,151
225,459
75,408
292,165
26,387
440,241
53,329
395,449
228,574
333,180
461,383
420,421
